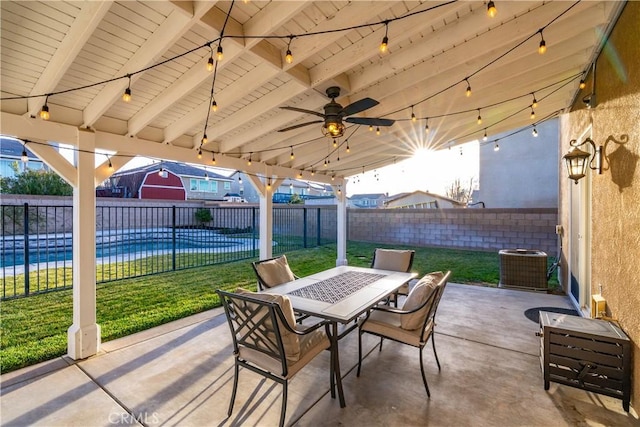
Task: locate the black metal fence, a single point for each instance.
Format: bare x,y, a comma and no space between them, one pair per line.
131,241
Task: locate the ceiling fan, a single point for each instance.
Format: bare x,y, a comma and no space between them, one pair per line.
334,113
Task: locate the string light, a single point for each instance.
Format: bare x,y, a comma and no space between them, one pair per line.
44,112
582,84
110,165
335,143
199,153
426,126
204,140
413,116
491,9
126,96
385,39
206,176
378,131
535,132
219,53
210,62
496,147
269,184
299,174
534,103
313,172
24,157
289,56
292,156
370,128
484,138
213,160
533,114
542,47
240,179
479,117
214,106
348,149
468,93
249,161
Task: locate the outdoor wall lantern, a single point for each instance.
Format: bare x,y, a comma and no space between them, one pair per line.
577,159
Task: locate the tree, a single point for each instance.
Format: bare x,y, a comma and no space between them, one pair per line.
457,192
295,199
36,182
203,216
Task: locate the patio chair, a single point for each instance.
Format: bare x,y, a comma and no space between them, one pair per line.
273,272
413,324
394,260
267,341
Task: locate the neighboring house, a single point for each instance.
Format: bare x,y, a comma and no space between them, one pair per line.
421,200
234,198
167,181
367,201
306,190
523,173
11,158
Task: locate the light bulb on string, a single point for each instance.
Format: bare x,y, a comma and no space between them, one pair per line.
496,147
199,153
468,92
533,114
370,128
335,143
300,175
426,126
479,118
210,61
348,149
385,40
219,53
484,138
110,166
204,140
44,112
126,96
534,132
214,106
582,84
206,176
534,103
24,157
289,56
291,155
413,116
491,9
249,161
542,47
213,158
378,131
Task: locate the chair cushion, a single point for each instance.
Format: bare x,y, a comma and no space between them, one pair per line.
392,259
388,325
418,295
275,271
289,339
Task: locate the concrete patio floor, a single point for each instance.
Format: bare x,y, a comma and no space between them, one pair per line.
181,374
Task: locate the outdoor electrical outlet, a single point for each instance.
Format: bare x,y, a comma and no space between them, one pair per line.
558,229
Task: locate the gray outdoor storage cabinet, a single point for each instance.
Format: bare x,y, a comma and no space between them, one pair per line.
591,354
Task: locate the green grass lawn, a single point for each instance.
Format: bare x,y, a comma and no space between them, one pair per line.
34,329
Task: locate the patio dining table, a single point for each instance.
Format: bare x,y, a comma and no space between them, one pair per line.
341,295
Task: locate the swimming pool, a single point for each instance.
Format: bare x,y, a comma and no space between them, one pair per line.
123,245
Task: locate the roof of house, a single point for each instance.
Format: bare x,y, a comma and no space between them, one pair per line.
367,196
10,147
401,196
180,169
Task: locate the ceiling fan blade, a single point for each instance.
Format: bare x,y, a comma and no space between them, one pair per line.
302,110
370,121
300,125
358,106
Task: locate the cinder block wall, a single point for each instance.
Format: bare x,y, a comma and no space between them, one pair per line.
477,229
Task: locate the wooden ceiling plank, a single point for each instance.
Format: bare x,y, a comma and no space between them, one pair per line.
91,15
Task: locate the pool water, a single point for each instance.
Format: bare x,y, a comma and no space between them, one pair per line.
11,256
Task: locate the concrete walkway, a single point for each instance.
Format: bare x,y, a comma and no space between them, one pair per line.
181,374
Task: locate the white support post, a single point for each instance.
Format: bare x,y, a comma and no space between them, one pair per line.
341,213
266,215
83,337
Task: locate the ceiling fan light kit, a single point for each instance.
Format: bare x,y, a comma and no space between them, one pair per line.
334,113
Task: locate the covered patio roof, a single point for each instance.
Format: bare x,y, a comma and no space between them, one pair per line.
78,58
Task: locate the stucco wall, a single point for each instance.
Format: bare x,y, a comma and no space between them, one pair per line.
505,183
615,201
